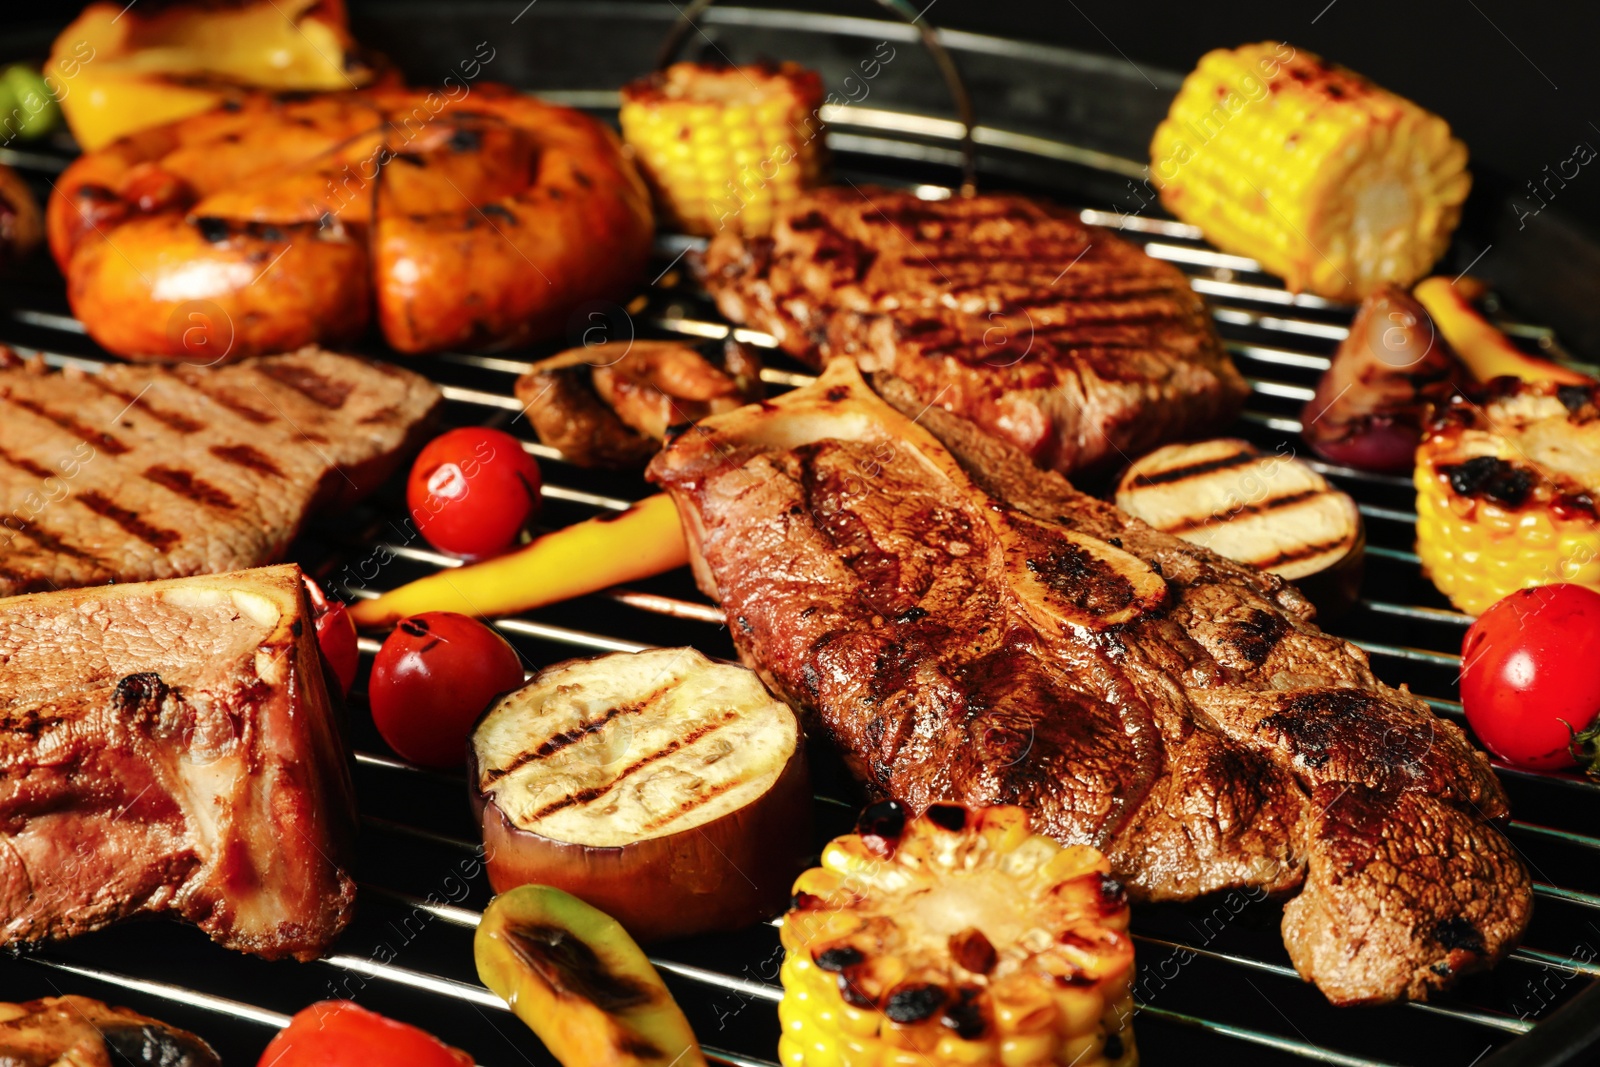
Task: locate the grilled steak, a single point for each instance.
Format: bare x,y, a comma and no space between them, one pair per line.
969,628
143,472
170,747
1063,339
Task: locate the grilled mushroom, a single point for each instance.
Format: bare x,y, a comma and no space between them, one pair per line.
79,1032
610,405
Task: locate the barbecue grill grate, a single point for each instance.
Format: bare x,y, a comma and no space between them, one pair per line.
1215,980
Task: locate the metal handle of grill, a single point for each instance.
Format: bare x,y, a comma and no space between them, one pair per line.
672,44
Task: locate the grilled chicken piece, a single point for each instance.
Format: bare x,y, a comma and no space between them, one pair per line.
609,405
79,1032
1060,338
297,218
136,473
170,747
968,628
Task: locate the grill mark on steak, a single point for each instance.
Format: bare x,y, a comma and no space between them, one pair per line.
247,457
23,463
923,290
1218,741
187,484
71,425
225,399
319,389
172,420
154,536
593,793
50,542
161,504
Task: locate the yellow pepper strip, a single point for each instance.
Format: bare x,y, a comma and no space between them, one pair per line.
1486,351
645,540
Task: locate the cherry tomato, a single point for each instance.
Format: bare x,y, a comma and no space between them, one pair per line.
339,1033
472,491
336,635
433,677
1530,668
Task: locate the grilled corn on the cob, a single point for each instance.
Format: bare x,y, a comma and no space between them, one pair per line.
1327,180
1507,490
723,146
956,938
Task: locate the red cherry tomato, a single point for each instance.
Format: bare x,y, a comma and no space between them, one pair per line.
1530,668
431,680
339,1033
336,635
472,491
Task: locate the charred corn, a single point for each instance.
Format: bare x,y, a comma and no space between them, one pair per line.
1506,492
723,147
956,938
1325,179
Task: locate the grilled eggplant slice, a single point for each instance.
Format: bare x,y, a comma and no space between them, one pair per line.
610,405
670,791
1388,377
1270,511
79,1032
580,982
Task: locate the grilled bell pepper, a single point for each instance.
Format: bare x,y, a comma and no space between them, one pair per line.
723,146
645,540
1328,181
340,1033
956,937
1507,484
580,982
116,69
1486,351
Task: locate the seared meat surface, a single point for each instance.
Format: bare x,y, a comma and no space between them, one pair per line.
969,628
141,472
79,1032
170,747
1061,338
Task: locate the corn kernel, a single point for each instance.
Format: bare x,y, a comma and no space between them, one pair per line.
933,1001
721,147
1327,180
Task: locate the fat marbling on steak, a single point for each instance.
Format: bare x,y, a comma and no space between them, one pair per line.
144,472
1061,338
967,627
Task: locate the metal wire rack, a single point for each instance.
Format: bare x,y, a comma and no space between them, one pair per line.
1215,982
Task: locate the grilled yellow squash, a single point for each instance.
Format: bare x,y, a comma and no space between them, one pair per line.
1327,180
957,937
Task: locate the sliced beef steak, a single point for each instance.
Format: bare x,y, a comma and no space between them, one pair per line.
169,747
1061,338
967,627
142,472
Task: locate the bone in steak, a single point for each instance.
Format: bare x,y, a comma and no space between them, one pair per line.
170,747
1061,338
969,628
141,472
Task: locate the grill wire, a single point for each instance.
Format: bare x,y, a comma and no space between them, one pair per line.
1214,979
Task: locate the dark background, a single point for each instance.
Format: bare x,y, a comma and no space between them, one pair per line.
1519,82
